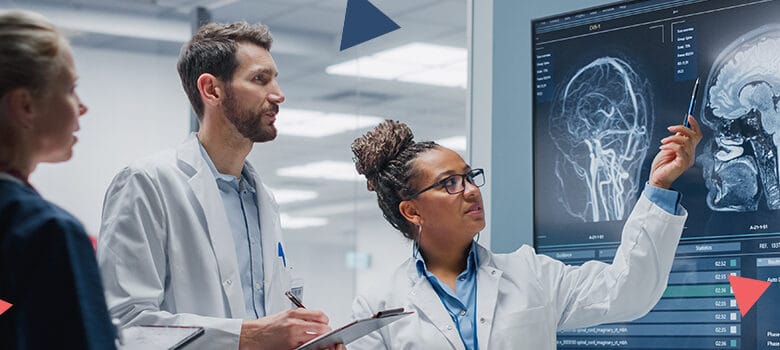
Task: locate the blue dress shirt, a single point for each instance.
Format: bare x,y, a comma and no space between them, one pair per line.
668,200
240,200
462,304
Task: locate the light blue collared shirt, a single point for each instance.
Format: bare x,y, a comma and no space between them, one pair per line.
668,200
461,304
240,200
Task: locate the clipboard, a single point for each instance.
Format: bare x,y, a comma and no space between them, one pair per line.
158,337
356,329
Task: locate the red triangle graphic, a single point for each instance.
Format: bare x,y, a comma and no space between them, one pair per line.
4,306
747,291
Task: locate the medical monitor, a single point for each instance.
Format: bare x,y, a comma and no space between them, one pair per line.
607,81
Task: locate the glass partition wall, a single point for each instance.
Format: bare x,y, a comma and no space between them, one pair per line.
337,240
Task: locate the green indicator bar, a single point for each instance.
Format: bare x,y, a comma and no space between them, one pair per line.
703,290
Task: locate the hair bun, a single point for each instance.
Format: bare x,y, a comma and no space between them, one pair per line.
376,148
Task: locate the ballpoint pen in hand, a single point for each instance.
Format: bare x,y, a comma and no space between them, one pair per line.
299,304
693,102
294,299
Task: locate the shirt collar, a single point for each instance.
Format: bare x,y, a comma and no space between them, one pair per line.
12,178
471,262
227,178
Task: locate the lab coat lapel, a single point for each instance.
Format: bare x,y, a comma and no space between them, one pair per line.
204,188
275,272
487,296
424,298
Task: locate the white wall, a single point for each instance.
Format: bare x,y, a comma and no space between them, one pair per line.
136,108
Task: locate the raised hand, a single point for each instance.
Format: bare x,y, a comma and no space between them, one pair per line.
677,154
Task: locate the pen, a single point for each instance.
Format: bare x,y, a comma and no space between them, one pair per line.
299,304
294,299
693,102
281,253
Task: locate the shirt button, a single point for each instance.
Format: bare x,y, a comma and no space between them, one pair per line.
482,320
257,286
449,327
462,278
463,312
228,282
493,272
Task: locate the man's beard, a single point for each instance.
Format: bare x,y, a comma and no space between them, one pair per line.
247,122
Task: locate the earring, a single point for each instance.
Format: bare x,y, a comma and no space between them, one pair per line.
416,243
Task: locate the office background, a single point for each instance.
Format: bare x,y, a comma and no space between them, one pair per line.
473,96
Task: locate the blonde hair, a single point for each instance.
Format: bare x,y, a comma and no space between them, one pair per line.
30,57
30,54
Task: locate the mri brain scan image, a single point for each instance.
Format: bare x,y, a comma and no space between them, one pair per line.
600,124
741,109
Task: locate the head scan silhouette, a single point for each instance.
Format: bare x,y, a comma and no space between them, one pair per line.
741,100
600,123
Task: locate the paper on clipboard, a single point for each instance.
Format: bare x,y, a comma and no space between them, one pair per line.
158,337
355,330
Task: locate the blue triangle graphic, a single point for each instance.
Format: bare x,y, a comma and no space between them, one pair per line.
363,22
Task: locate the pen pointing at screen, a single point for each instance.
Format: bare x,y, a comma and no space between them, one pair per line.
692,105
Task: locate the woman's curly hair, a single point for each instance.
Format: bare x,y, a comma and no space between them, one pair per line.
385,156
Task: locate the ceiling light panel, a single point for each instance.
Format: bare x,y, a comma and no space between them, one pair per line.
299,222
371,67
423,54
327,170
415,63
307,123
286,195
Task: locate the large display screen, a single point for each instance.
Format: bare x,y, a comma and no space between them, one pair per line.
607,83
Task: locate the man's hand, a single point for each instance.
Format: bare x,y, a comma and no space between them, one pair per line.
677,154
285,330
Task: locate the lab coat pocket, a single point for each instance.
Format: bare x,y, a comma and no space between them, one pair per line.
526,329
276,285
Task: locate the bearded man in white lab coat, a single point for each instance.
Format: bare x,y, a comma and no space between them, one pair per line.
180,240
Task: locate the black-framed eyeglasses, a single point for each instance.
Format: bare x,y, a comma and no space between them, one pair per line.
456,183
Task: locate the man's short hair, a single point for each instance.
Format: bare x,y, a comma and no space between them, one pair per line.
213,50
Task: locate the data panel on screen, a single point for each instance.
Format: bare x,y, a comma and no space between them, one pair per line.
607,83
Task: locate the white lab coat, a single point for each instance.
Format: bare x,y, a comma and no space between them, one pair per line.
523,298
166,253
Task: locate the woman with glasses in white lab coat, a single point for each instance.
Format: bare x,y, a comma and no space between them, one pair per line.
466,297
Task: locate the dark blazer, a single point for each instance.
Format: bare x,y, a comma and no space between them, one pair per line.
49,273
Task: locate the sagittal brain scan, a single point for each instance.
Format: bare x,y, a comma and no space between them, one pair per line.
600,124
742,93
